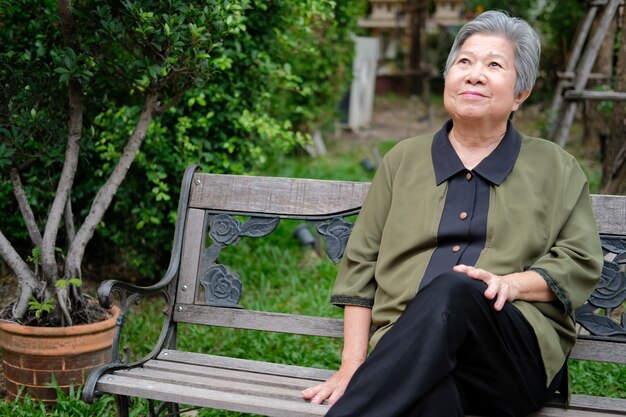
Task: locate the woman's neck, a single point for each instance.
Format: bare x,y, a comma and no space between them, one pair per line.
472,145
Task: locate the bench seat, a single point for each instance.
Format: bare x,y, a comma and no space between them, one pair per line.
221,382
253,387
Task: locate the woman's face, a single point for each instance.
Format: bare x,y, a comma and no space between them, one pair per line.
480,83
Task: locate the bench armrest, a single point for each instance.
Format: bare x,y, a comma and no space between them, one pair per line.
129,295
127,291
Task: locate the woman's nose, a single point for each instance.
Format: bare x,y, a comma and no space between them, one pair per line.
476,74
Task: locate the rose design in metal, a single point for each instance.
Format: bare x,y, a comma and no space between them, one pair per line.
224,229
222,287
610,293
336,233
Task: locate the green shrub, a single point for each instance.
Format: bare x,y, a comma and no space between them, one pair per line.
281,75
277,70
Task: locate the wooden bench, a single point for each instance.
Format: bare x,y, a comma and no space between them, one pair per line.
199,290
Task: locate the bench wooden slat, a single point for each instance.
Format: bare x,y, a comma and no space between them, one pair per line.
250,375
609,405
163,391
245,365
259,320
572,412
610,211
599,351
192,243
211,381
276,196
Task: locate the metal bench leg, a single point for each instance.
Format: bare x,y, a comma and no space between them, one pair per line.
122,404
165,409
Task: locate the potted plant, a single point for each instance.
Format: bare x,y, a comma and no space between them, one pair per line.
62,64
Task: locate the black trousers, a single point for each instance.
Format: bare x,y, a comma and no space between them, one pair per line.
450,353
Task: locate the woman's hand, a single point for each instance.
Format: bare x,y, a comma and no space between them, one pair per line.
334,387
528,286
498,287
357,322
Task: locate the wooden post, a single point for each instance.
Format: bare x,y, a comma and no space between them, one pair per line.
584,68
596,121
614,167
557,101
419,67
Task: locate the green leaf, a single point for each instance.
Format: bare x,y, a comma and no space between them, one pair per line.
63,283
39,308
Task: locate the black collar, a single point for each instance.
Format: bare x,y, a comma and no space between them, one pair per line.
494,168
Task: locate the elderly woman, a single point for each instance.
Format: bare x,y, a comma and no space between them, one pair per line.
470,254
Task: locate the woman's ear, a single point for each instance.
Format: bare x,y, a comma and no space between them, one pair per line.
517,102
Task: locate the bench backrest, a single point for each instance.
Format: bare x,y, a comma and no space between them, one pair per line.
221,209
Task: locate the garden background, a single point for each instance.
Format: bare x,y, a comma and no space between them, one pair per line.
269,75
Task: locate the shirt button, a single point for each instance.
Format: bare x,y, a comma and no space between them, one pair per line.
463,215
456,248
468,176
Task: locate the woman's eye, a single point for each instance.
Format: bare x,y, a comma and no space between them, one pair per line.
463,61
495,64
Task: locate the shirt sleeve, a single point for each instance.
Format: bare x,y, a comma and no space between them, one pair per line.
355,283
573,265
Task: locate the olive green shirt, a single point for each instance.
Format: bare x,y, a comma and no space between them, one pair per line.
539,218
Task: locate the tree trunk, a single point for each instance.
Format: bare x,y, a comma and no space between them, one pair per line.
107,192
25,208
62,194
29,283
614,167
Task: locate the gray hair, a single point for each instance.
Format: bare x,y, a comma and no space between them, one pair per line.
517,31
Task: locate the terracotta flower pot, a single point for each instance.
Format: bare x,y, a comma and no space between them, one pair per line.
31,355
